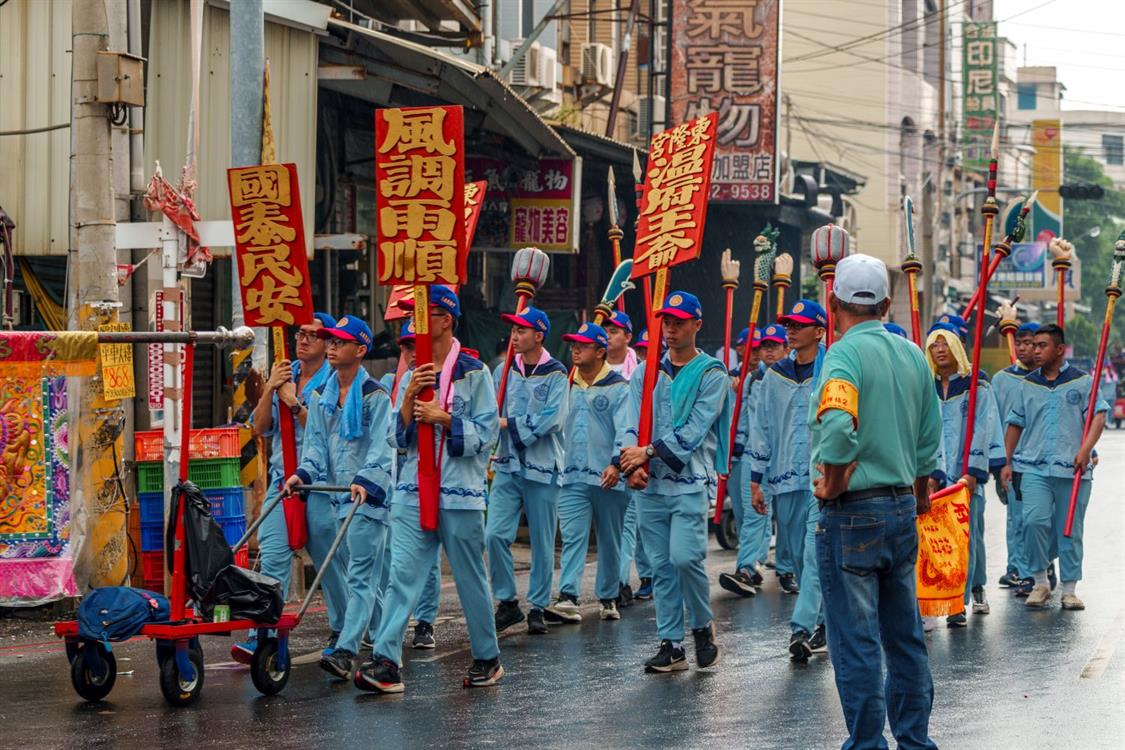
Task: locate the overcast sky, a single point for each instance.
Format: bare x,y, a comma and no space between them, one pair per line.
1084,39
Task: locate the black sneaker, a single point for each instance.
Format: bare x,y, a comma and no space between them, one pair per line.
625,596
508,613
957,621
788,583
1051,577
423,635
535,623
339,663
331,646
738,583
668,659
756,577
379,675
644,591
484,672
706,650
1025,587
819,641
799,647
1009,580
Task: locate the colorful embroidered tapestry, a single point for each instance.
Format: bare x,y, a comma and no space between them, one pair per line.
943,553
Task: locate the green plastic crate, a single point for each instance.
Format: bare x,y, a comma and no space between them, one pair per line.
207,474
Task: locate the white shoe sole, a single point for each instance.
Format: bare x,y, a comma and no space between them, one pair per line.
981,609
485,683
614,615
565,615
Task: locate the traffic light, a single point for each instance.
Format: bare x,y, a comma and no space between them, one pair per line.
1082,192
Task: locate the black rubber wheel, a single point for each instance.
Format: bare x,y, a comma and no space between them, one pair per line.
263,668
177,691
93,672
726,533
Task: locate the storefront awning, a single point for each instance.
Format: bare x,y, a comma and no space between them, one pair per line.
597,146
387,59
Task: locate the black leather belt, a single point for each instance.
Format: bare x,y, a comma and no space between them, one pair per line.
885,491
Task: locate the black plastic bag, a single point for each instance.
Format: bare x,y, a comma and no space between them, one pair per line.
206,549
250,595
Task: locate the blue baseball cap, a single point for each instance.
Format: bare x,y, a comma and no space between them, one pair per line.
1029,327
774,332
406,333
961,328
589,333
682,305
325,319
641,342
532,318
896,329
940,326
807,312
441,297
757,338
741,341
348,328
621,320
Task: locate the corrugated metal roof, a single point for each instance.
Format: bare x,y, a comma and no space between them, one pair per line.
35,93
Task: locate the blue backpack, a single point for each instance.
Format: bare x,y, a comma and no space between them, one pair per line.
117,613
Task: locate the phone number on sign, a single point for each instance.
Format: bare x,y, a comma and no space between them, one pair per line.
742,191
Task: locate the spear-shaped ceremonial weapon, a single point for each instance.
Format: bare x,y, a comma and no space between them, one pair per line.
1112,292
782,278
529,272
1009,324
1015,226
1063,252
619,283
989,210
911,266
829,246
729,269
765,247
615,232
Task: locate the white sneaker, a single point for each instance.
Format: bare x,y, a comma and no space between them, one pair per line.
609,610
928,624
1038,597
566,609
1071,601
980,602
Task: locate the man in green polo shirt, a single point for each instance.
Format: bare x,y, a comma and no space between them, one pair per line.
876,428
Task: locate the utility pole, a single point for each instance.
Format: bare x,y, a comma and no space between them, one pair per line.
929,266
95,494
622,63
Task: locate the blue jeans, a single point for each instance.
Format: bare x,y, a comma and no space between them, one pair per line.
632,546
809,610
675,533
511,494
579,504
866,552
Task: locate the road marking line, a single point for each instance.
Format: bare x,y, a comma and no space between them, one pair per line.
1099,660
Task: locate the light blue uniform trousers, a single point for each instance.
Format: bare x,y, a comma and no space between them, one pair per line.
675,533
274,555
1045,504
809,610
632,546
461,534
367,539
746,519
427,608
508,496
977,576
792,517
321,517
578,505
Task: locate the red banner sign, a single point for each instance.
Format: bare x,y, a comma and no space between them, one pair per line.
725,60
420,196
269,237
674,202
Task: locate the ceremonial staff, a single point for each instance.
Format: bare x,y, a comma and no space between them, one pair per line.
829,246
615,233
618,284
1112,292
1063,252
728,268
529,272
765,248
1015,223
1008,327
989,210
911,266
782,278
639,190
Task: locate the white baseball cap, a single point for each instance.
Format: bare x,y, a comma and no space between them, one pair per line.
861,279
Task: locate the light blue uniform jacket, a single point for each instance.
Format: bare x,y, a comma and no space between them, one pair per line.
779,443
600,422
277,463
535,405
987,453
746,416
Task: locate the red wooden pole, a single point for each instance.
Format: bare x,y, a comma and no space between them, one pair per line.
429,475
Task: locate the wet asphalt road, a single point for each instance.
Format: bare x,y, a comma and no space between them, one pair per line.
1013,678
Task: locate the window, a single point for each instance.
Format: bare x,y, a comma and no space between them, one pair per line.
1114,148
1027,96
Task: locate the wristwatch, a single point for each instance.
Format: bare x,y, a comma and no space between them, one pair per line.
650,451
295,408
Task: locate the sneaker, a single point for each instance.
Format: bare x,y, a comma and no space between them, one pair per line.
819,641
1009,580
1038,597
331,645
738,583
565,608
365,644
508,613
625,596
535,623
243,652
788,583
644,591
799,648
1072,602
957,621
1025,587
756,577
379,675
1051,577
771,560
339,663
706,650
609,610
668,659
980,603
485,672
423,635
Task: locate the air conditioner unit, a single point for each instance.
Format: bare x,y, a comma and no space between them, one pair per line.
650,113
548,68
526,71
607,66
598,64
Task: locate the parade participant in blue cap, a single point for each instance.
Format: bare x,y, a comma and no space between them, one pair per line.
528,466
463,411
620,357
599,423
955,323
691,426
779,461
290,386
345,444
1005,386
896,329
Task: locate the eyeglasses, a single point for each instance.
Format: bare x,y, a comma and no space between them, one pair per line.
307,336
335,343
797,326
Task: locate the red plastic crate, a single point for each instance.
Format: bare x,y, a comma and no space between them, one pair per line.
152,565
155,585
220,442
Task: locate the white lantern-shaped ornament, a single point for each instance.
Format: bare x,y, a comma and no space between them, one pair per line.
529,270
830,244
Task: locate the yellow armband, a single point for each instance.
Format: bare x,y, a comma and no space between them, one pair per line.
842,395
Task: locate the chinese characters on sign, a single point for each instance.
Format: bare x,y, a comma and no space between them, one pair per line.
269,236
979,65
117,366
674,203
420,182
726,61
537,206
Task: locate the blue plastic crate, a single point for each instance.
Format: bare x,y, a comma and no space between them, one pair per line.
152,536
152,507
233,528
226,502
